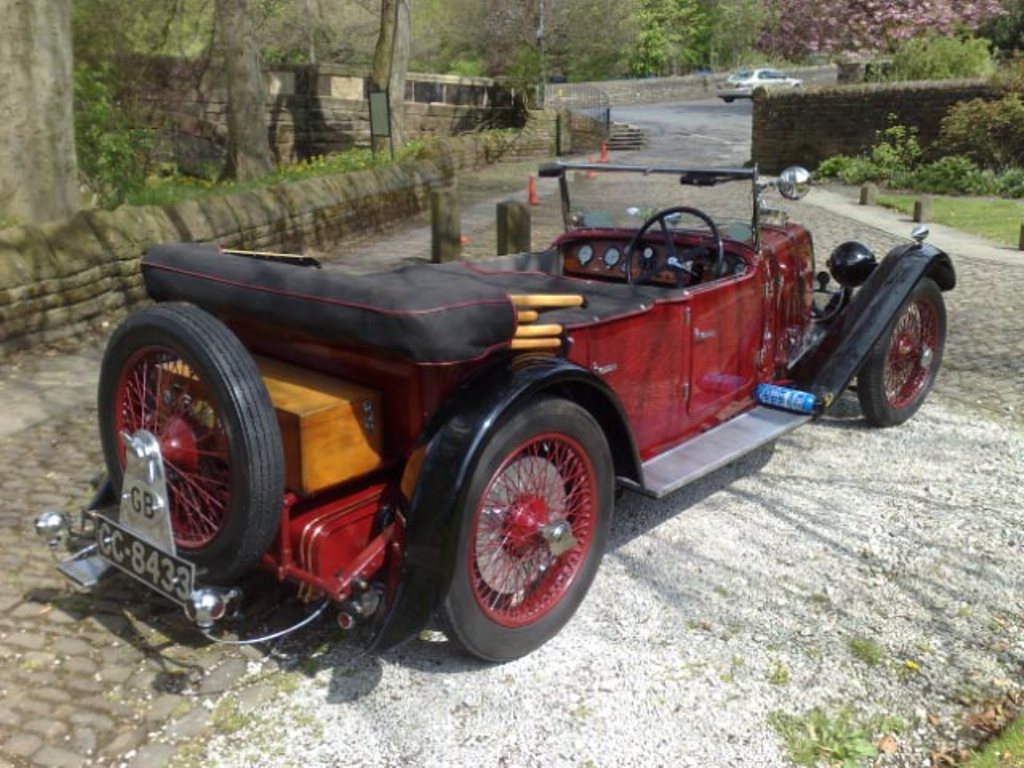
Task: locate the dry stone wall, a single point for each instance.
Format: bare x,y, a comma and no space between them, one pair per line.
63,279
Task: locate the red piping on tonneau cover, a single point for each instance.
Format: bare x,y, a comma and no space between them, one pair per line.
326,299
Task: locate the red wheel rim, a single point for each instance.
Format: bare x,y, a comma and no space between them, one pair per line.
911,353
543,485
160,392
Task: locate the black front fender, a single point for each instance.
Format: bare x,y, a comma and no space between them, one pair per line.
452,444
828,369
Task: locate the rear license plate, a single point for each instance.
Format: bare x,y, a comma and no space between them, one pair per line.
169,575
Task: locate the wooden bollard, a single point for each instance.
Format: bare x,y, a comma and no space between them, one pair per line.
1020,243
445,226
513,227
869,194
923,209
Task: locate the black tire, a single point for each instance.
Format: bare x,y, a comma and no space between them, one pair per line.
901,367
182,374
727,100
551,456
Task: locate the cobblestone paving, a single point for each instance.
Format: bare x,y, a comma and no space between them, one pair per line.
120,678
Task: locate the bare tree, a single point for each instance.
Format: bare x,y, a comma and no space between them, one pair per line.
248,142
391,60
38,173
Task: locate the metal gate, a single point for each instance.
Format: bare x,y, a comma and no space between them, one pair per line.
580,100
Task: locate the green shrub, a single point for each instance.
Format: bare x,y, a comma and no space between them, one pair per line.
942,58
896,152
891,160
1010,183
953,175
849,170
991,133
112,153
1010,77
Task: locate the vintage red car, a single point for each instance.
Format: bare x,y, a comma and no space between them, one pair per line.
448,440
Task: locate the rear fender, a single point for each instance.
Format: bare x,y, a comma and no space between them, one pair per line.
828,369
452,444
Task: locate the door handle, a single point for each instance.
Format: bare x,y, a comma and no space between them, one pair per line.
700,335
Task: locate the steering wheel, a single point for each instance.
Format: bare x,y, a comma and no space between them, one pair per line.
672,260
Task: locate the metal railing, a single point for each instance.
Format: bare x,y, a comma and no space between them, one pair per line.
580,99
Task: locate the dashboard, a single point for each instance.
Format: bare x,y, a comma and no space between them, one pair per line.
605,259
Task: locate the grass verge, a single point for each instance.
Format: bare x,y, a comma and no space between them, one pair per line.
1004,751
991,217
164,190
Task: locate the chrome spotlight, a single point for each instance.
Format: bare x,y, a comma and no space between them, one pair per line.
52,526
207,606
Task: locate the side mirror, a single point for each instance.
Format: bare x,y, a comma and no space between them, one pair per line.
794,183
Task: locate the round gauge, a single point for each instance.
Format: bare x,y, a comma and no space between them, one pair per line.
648,253
611,257
585,254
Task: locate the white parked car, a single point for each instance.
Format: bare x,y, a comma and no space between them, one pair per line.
741,83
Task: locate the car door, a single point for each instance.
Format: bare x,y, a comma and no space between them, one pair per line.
644,358
726,334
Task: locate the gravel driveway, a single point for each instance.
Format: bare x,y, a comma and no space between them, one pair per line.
847,568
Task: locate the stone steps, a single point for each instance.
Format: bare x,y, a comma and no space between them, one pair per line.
623,136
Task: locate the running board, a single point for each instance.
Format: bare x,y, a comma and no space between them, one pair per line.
717,447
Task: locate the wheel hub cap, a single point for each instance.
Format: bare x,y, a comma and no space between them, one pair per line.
926,357
178,444
559,537
525,521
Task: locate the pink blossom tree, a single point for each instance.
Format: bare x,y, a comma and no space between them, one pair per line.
801,27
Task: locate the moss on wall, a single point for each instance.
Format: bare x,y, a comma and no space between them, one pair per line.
62,279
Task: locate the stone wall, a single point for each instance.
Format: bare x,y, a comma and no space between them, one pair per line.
60,280
805,127
657,90
311,110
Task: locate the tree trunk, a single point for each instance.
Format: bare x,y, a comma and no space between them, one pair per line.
38,172
391,61
248,143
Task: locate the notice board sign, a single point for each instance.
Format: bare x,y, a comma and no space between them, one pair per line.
380,119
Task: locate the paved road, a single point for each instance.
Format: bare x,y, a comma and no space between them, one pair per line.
707,132
120,678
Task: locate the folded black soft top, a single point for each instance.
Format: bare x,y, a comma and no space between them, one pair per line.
424,312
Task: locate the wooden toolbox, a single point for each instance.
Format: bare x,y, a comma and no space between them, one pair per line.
330,429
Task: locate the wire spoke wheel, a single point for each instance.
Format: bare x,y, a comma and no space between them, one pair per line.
161,393
515,574
911,352
532,531
901,368
180,374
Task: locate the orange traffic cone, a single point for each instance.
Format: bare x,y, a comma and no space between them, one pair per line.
604,152
531,195
463,240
